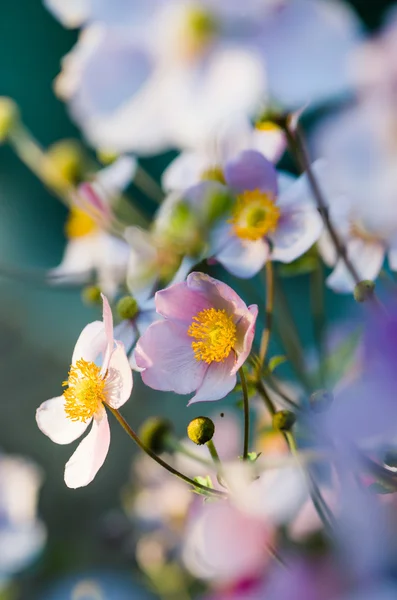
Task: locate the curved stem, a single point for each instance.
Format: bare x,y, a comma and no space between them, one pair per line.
269,312
159,460
263,392
246,413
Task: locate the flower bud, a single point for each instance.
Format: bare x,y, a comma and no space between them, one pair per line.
64,165
153,433
127,308
283,420
9,116
107,157
364,290
201,430
321,400
91,294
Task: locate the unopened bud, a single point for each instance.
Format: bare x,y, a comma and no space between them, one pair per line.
64,165
364,290
127,308
201,430
153,433
9,116
321,400
91,294
107,157
283,420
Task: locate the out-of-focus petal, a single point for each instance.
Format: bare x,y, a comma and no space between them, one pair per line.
90,455
108,325
185,171
119,378
91,343
250,170
165,352
52,420
125,332
296,232
243,258
72,13
366,257
245,336
219,380
112,180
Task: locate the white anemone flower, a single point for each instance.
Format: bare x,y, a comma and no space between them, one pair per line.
22,534
99,374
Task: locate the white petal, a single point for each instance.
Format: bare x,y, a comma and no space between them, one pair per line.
52,420
91,343
366,257
71,13
218,381
243,258
296,232
185,171
90,455
112,180
119,378
78,260
108,326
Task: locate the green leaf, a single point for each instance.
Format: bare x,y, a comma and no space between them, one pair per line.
203,481
276,361
253,456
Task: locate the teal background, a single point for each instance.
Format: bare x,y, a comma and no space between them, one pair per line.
38,326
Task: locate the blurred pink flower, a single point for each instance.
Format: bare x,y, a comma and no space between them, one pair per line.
65,418
205,337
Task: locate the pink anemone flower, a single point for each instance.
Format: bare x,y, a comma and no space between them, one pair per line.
205,337
99,374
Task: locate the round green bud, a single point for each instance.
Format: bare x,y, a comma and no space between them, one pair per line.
9,116
321,400
107,157
201,430
65,163
153,433
364,290
127,308
91,294
283,420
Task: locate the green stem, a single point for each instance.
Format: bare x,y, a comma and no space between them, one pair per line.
212,450
269,313
175,445
246,413
148,185
159,460
265,396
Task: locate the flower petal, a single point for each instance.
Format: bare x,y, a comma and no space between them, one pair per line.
165,352
52,420
108,325
296,232
72,13
250,170
221,295
185,171
245,336
91,343
243,258
179,303
119,378
125,332
90,455
218,381
366,257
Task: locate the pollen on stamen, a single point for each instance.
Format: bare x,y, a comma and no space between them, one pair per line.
215,334
254,215
85,391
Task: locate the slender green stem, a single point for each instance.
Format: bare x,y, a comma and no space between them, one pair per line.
175,445
159,460
246,413
269,312
213,451
273,384
265,396
148,185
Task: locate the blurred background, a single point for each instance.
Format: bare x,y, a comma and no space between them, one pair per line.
39,325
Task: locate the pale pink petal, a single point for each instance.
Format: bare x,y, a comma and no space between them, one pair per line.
299,192
271,143
91,343
218,381
118,378
245,336
296,232
244,258
52,420
366,257
126,333
166,355
250,170
221,296
180,303
108,325
90,455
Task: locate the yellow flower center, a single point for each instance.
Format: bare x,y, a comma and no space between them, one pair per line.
268,126
85,392
215,334
79,223
254,215
213,174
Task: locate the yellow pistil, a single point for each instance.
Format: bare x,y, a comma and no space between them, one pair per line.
254,215
85,392
79,223
215,333
213,174
268,126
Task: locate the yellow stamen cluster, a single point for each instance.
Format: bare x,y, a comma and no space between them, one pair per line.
215,333
79,223
85,392
267,126
254,215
